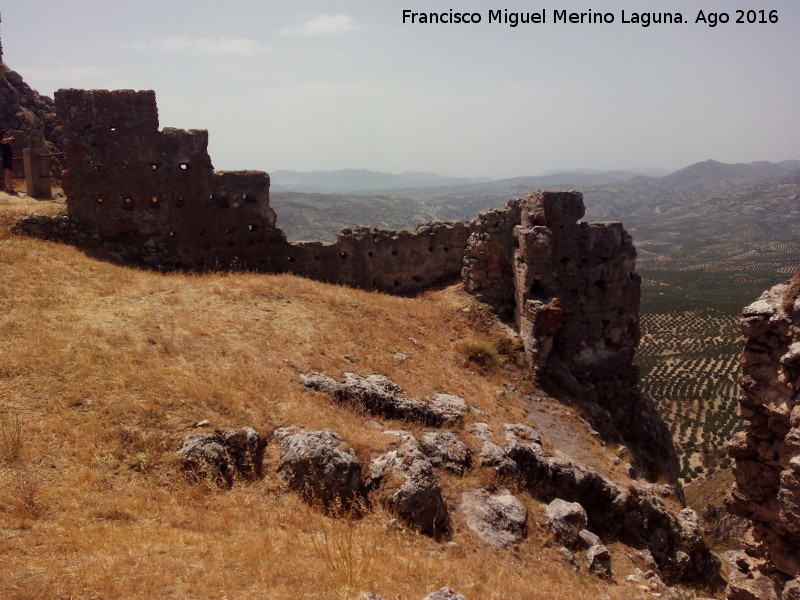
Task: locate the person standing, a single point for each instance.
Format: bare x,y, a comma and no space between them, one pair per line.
8,161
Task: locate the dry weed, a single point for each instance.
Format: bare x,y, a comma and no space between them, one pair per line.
482,353
792,291
347,550
10,436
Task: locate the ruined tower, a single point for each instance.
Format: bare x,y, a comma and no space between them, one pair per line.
154,193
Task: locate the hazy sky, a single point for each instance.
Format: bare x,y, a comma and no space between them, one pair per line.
312,85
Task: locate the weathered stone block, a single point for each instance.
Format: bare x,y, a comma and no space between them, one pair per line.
552,209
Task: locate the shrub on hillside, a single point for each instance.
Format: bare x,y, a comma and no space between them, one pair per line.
482,353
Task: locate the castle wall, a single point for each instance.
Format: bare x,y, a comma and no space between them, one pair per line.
489,265
156,190
767,452
575,298
152,196
391,261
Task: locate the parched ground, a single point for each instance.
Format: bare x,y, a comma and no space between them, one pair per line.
105,368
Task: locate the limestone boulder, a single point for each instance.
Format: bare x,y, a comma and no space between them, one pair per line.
450,406
220,456
493,456
598,560
445,593
566,520
319,466
403,480
380,396
204,458
446,451
587,539
498,519
419,503
246,449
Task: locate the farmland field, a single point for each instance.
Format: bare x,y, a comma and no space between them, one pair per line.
689,353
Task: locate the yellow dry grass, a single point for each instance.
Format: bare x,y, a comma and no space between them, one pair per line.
106,368
792,291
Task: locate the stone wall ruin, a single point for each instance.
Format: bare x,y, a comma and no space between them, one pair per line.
767,451
575,298
157,190
151,196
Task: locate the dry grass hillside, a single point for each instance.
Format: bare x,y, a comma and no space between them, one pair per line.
105,368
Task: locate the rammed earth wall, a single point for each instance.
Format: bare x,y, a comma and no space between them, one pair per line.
148,188
152,196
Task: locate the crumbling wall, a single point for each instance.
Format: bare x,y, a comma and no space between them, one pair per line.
386,260
153,195
575,297
767,451
489,265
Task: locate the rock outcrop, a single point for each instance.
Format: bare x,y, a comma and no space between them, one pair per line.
381,396
631,515
218,457
446,451
404,481
767,451
204,458
498,519
598,561
319,466
28,113
567,520
445,593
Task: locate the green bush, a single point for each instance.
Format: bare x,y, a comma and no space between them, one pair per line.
482,353
505,346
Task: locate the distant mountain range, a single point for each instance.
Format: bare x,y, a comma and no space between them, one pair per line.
355,180
365,182
676,215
